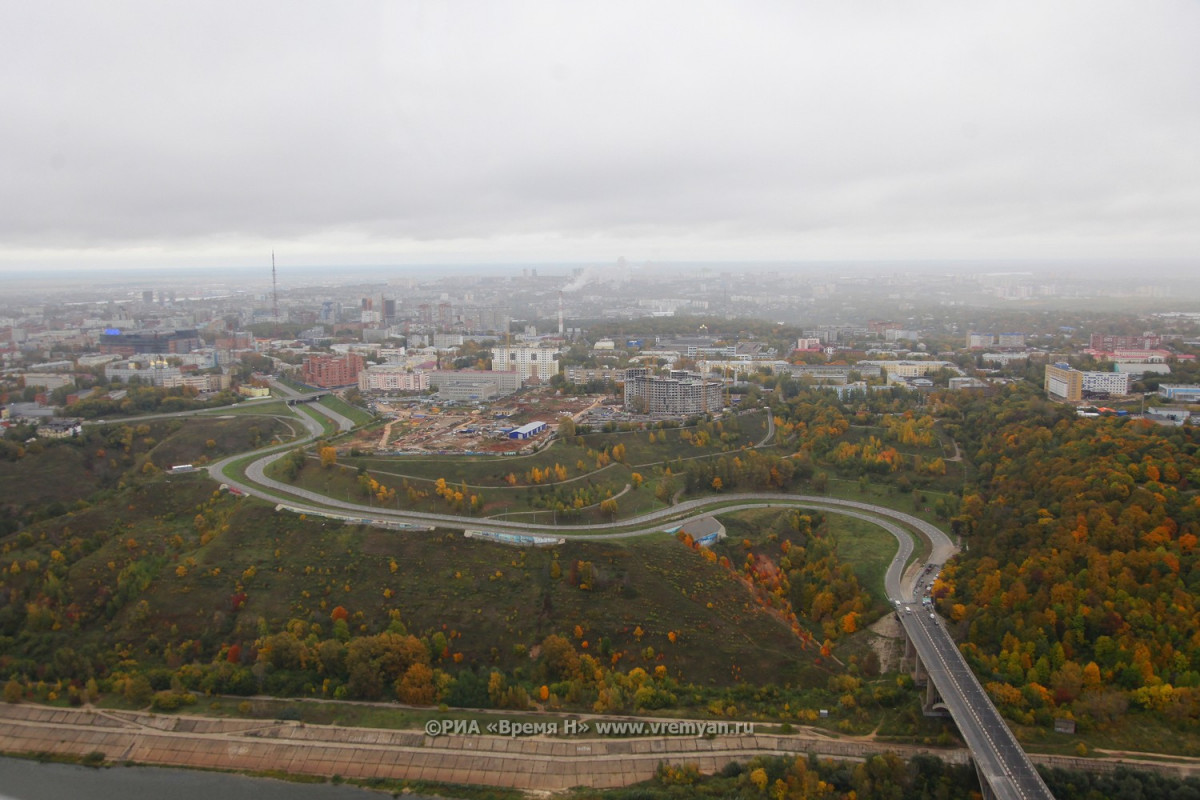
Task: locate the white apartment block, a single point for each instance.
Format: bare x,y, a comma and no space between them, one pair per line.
530,362
392,378
1108,382
910,369
578,376
201,383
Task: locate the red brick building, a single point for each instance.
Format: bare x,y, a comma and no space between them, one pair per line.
1108,341
327,371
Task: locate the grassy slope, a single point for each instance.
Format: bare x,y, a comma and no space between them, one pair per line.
190,442
353,413
494,596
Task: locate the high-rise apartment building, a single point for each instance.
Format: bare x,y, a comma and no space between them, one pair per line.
327,371
531,362
683,393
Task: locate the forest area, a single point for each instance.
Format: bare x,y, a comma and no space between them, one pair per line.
1077,594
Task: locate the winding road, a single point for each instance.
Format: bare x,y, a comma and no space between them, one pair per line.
1005,770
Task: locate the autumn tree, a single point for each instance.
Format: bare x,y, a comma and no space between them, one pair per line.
559,659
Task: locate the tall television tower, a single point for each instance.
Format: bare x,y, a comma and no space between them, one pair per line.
274,291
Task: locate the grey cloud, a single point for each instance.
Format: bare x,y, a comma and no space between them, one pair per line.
780,128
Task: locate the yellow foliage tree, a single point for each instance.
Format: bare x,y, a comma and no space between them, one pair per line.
758,777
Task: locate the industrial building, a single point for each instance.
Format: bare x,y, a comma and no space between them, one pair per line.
705,532
466,385
1181,392
683,393
527,431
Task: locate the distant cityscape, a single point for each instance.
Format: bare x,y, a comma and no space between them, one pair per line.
641,333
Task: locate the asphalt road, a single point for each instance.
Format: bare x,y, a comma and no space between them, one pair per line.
1002,764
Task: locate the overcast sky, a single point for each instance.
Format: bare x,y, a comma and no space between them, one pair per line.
160,134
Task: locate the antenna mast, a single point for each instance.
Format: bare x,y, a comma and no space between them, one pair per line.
274,291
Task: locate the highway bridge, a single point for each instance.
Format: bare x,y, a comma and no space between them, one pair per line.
1005,771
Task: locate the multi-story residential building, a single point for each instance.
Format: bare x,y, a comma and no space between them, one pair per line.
327,371
1004,358
695,346
1108,341
978,341
1010,341
1063,383
48,380
1066,383
832,373
1107,382
682,393
909,369
531,362
485,319
154,374
581,375
206,382
392,378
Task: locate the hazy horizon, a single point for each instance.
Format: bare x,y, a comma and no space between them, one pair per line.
167,136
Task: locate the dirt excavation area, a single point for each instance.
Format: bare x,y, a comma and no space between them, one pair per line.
888,642
448,429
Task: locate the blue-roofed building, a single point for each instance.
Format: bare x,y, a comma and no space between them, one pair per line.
1180,392
527,431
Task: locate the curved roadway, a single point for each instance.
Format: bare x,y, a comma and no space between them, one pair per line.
1003,766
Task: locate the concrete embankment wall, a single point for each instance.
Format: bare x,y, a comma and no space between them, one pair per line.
522,763
533,763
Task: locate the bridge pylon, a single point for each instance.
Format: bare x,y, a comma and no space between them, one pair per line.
934,705
985,788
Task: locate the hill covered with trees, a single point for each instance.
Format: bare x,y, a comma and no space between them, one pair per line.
1079,592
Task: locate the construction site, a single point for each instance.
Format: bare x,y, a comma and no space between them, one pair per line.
431,428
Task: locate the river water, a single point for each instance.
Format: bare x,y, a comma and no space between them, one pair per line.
21,779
